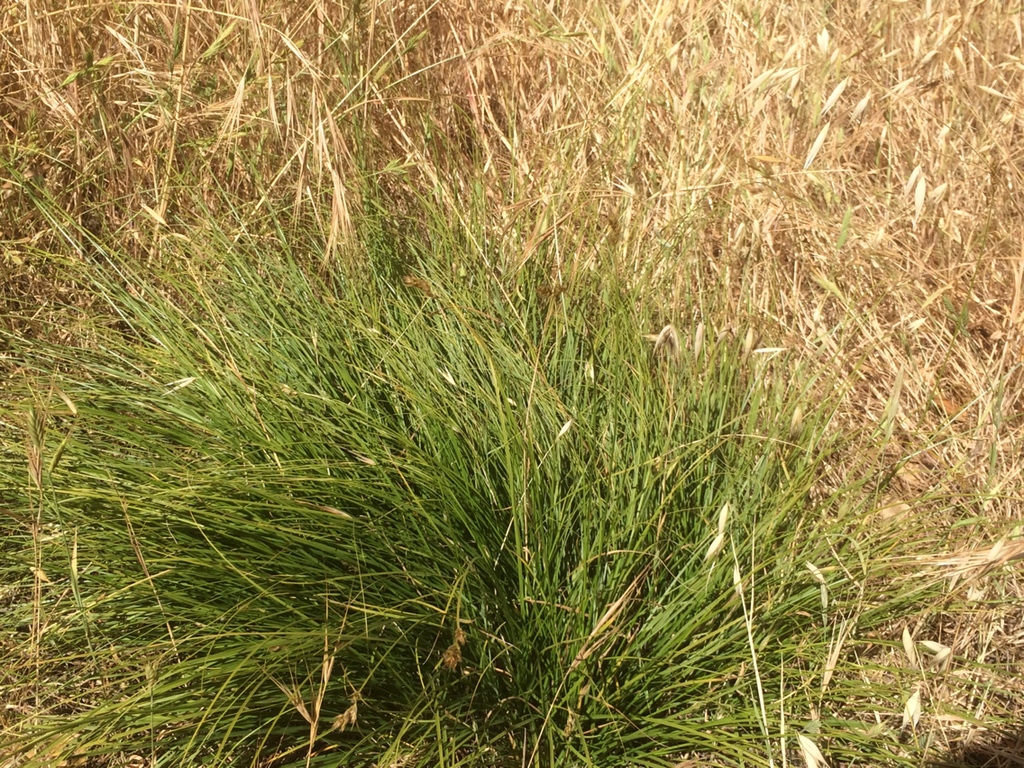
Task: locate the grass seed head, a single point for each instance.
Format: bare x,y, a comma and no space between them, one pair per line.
912,710
715,548
348,717
723,517
796,423
748,344
908,647
666,343
812,755
452,657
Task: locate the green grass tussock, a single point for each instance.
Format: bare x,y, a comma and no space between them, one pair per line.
459,523
484,383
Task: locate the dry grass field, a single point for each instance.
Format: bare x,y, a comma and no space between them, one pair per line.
836,181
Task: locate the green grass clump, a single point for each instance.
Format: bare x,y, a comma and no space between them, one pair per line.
289,521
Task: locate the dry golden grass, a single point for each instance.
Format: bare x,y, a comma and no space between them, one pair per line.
848,173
